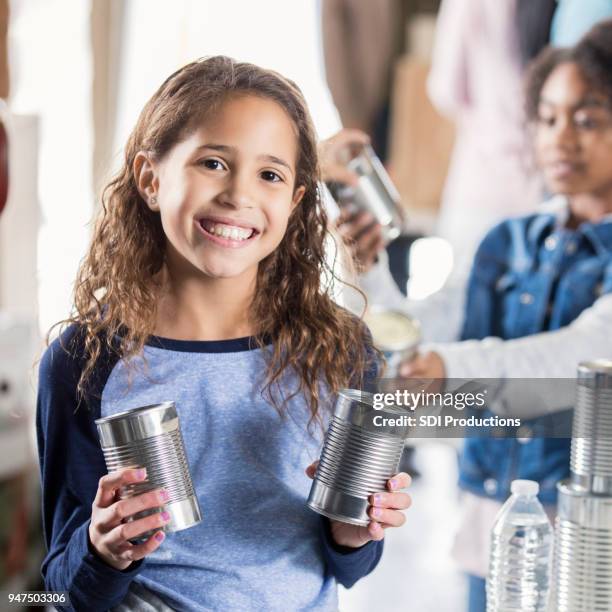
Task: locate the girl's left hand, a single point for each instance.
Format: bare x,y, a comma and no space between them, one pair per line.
385,511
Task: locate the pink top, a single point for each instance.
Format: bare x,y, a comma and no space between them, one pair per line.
476,80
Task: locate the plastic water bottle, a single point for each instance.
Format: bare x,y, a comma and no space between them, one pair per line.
521,552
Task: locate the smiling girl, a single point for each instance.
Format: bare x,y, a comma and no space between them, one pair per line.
203,285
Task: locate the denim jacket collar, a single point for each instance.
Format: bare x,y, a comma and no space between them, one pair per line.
555,213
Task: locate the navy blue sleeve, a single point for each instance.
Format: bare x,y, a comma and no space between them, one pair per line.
71,464
346,564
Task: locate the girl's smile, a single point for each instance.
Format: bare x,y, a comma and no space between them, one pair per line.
226,232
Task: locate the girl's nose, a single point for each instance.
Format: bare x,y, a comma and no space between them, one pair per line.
565,136
237,193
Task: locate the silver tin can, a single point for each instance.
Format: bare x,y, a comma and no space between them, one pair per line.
583,551
591,454
357,459
376,193
395,333
150,437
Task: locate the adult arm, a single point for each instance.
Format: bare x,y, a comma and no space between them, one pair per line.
554,354
440,315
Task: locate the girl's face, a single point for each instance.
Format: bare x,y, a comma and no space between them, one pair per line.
574,135
225,193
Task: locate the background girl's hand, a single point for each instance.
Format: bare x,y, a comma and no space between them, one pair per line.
363,236
109,534
385,511
333,158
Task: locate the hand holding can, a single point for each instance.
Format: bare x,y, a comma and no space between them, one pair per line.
385,511
110,536
150,437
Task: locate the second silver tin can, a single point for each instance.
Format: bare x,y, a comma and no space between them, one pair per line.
150,437
583,551
357,459
376,193
591,455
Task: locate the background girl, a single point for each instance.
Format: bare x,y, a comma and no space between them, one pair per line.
203,284
532,282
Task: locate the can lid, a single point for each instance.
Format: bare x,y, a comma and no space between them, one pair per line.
135,413
392,330
595,373
524,487
137,424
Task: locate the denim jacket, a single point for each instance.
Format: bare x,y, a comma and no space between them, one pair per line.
530,275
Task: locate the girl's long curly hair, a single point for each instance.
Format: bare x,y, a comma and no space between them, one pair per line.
116,291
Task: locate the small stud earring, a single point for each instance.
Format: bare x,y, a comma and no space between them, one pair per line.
153,201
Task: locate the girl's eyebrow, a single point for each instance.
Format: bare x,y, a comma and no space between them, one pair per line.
586,102
227,149
590,102
276,160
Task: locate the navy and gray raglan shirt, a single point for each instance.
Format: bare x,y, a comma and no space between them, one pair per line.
258,546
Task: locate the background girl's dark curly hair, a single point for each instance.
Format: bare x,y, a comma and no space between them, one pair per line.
117,285
592,55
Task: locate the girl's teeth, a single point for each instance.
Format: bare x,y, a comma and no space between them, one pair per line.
233,233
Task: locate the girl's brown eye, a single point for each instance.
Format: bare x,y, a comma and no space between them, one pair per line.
586,123
546,120
272,177
211,164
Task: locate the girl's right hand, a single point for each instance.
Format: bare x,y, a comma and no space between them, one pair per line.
109,534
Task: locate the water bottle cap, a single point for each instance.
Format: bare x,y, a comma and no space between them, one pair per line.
524,487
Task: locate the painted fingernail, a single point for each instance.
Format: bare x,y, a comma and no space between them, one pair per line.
159,536
393,483
141,474
378,498
164,495
377,512
165,515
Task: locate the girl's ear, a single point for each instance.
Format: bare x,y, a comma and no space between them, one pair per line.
147,182
298,194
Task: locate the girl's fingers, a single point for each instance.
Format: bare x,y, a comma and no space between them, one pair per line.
108,485
392,518
350,136
375,530
411,367
399,481
115,514
312,469
368,234
135,552
340,174
355,225
132,529
395,501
